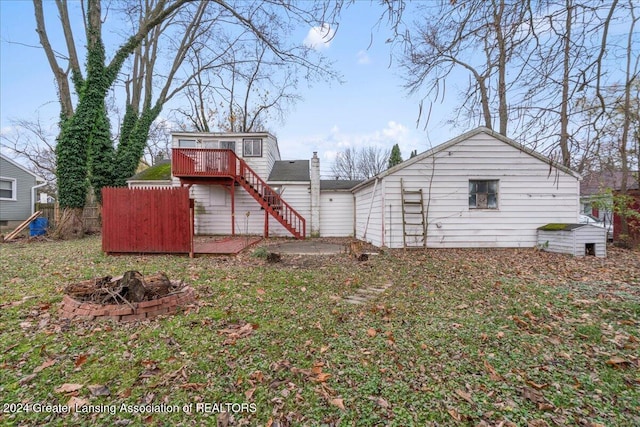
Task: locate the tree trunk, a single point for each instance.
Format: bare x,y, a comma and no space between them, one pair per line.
70,225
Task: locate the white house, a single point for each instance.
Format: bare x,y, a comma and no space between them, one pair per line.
477,190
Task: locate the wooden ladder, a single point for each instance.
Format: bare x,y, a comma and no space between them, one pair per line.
414,229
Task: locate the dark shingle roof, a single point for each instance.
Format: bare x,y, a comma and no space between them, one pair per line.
596,182
290,170
338,184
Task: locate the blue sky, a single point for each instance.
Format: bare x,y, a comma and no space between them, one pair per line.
369,108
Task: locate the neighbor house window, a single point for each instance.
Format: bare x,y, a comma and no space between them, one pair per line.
7,189
187,143
252,148
483,194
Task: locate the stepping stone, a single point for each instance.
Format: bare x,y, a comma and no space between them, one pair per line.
366,294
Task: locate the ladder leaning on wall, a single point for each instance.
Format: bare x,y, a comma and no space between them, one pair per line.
413,223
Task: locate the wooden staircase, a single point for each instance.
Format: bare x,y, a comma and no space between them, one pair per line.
414,228
270,200
224,167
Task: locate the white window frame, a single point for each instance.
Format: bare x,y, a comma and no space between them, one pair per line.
14,188
181,141
252,151
497,193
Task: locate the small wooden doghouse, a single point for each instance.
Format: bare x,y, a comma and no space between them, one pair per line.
575,239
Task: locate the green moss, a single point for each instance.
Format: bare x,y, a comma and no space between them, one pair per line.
157,172
553,227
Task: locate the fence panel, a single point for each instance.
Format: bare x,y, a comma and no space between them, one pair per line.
146,220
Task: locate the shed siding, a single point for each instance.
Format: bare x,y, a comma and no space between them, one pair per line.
20,208
584,235
371,232
528,196
336,214
574,241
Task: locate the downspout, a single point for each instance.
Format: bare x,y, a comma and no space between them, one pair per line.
373,195
33,196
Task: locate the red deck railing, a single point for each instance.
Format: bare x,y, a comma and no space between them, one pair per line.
214,163
203,162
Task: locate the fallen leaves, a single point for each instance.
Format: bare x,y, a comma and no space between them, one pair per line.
237,331
47,363
68,388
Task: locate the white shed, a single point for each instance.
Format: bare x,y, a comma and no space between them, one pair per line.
478,190
575,239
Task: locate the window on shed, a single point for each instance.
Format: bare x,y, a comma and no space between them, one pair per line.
187,143
252,147
7,189
483,194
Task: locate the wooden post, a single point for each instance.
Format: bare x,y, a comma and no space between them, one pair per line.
233,208
192,211
266,224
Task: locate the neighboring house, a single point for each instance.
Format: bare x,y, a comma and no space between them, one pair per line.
480,189
596,189
18,188
158,175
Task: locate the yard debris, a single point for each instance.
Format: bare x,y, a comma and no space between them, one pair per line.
131,287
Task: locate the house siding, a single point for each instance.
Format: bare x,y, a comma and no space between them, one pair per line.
297,195
20,208
528,196
336,214
213,209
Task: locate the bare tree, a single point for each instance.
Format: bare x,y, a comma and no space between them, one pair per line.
360,164
479,37
33,141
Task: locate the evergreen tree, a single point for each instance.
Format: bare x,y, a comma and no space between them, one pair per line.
395,157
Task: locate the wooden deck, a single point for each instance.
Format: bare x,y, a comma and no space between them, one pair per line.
223,245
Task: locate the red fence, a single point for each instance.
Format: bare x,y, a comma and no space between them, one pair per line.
147,220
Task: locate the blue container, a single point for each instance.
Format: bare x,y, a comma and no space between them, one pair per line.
38,227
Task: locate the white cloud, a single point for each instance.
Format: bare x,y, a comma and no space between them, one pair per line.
319,38
363,57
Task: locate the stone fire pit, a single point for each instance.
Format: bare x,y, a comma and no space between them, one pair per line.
125,298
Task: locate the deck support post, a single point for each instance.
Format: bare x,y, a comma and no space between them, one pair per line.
233,209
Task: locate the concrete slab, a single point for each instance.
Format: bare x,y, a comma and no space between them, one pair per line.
308,247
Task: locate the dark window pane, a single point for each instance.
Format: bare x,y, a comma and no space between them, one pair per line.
472,200
493,186
492,201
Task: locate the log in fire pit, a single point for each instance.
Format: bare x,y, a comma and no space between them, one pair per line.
131,296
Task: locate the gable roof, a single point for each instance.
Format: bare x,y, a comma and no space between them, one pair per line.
442,147
338,184
290,170
596,182
19,166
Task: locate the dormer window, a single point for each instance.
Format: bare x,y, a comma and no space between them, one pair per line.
252,147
